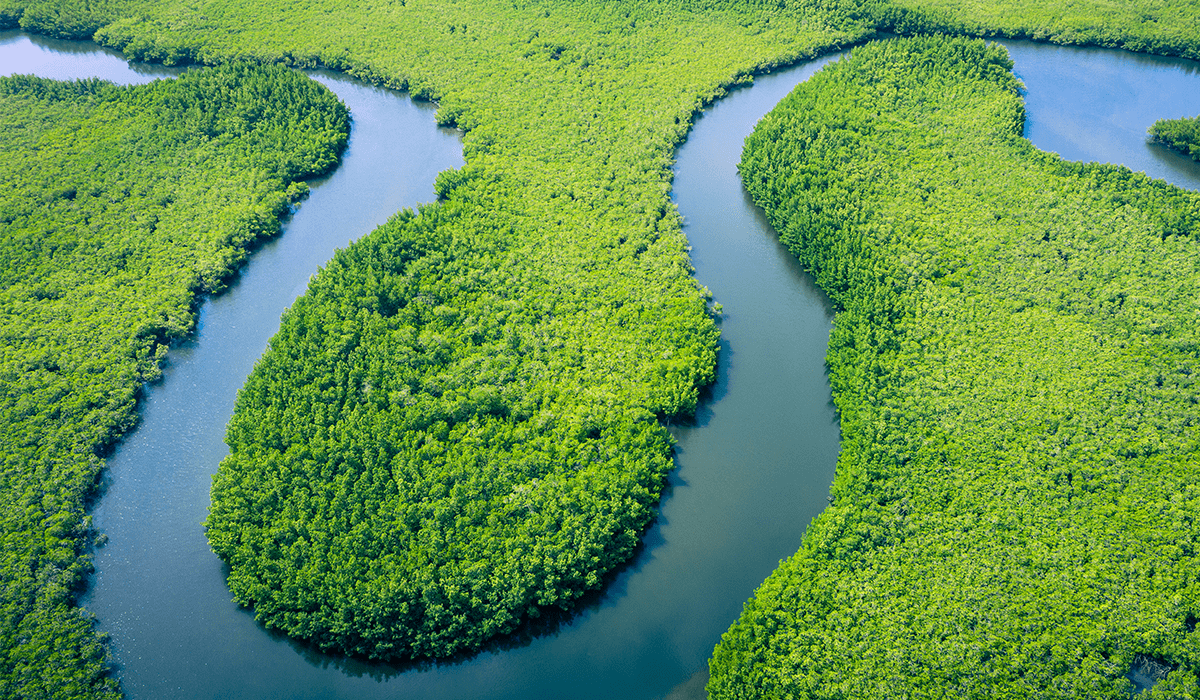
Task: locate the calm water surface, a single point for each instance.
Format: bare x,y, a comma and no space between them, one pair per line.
751,473
1096,105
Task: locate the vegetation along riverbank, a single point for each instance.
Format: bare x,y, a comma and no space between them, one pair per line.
119,205
460,423
1181,134
1014,362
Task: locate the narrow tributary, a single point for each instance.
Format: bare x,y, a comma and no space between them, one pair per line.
752,471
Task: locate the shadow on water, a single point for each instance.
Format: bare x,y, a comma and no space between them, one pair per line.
1146,672
793,263
549,623
72,47
712,394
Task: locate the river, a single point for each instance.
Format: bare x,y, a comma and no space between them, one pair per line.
752,472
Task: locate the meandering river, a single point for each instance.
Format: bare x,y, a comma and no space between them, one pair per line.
752,472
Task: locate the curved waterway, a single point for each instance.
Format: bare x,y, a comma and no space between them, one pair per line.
752,472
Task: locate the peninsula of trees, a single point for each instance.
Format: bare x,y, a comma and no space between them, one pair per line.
1181,134
118,207
1017,503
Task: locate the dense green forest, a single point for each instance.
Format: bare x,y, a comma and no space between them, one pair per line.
1014,361
479,387
1180,134
118,206
1165,28
460,423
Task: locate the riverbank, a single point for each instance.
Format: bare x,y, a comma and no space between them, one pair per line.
160,593
543,53
1012,362
120,209
1181,134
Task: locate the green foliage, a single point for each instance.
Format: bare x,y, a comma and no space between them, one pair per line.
65,19
476,389
460,423
1164,28
423,457
117,207
1015,359
482,411
541,316
1181,134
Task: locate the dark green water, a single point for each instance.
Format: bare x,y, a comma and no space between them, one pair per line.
751,473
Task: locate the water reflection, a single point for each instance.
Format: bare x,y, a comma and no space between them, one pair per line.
22,53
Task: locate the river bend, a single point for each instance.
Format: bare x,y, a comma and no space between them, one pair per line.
752,471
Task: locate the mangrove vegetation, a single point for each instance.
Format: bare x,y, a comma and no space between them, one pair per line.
461,423
1181,134
118,206
1014,361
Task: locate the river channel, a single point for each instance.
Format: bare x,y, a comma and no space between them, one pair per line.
752,472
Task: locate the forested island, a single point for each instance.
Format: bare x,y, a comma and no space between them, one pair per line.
1014,362
1181,134
462,422
118,207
